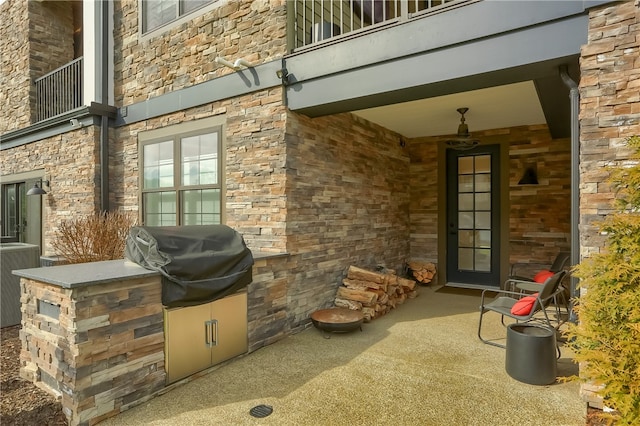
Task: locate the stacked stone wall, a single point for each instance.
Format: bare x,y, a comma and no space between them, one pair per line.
15,82
609,114
267,299
609,109
101,347
254,174
424,202
36,37
347,204
70,162
184,55
50,35
539,215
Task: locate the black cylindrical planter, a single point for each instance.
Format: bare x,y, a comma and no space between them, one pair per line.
531,354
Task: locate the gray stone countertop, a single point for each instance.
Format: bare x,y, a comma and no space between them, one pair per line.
85,274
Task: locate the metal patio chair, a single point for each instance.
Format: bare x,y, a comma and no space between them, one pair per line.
559,263
533,284
505,301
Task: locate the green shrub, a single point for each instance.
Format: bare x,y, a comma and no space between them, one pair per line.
606,339
94,238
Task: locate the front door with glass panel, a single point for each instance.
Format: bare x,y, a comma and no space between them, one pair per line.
473,220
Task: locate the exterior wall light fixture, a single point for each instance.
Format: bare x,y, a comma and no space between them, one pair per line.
75,123
38,188
283,75
529,177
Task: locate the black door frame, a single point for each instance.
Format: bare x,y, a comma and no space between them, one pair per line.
455,276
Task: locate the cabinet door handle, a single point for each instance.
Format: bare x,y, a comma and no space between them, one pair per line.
211,333
214,333
207,333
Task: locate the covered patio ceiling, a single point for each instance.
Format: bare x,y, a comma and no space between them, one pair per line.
496,107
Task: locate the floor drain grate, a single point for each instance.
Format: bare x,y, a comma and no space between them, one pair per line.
261,410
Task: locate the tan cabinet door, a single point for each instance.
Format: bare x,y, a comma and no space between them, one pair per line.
197,337
230,327
186,349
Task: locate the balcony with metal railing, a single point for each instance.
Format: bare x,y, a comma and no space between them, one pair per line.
59,91
320,20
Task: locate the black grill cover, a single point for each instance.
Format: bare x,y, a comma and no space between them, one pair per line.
199,264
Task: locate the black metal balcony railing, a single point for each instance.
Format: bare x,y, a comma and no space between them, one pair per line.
59,91
318,20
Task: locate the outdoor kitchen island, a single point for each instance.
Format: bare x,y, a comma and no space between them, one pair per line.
93,334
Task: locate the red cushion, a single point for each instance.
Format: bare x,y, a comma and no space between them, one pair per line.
542,276
524,305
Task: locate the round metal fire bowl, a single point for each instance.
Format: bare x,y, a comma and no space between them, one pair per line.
338,320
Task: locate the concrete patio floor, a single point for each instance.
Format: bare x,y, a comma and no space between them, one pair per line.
421,364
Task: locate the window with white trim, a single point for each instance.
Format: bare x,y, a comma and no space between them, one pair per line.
156,13
181,179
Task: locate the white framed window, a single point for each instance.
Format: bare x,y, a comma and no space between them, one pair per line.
181,178
156,13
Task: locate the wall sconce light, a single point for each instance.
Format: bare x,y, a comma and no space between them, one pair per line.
283,75
529,177
463,139
38,189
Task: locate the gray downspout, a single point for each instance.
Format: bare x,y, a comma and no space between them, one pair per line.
104,122
574,96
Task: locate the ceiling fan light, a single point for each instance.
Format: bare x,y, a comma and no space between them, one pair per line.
463,140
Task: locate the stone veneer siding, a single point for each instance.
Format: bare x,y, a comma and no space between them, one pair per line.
105,350
609,109
254,175
347,204
539,215
609,114
267,302
39,36
50,35
423,205
15,81
184,55
70,162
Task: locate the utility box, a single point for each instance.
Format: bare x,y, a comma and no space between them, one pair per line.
14,256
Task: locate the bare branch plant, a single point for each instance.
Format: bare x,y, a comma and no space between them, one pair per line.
95,237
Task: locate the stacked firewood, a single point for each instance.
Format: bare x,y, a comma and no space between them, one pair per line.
423,272
373,293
